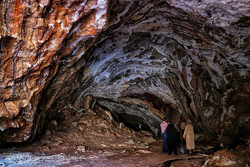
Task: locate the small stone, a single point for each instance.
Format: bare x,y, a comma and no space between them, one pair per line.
121,125
48,132
80,148
122,145
53,122
118,135
144,151
143,147
146,133
150,141
130,142
56,144
74,124
46,148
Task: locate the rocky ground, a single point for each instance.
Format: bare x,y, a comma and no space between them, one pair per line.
90,139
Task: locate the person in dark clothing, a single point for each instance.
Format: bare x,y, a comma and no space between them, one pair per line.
173,138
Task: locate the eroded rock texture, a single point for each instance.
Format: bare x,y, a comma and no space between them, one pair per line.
138,60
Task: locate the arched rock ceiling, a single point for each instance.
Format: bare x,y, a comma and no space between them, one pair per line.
139,59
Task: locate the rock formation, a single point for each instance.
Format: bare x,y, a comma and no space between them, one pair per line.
138,60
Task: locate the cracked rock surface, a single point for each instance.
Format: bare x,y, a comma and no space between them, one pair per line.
136,61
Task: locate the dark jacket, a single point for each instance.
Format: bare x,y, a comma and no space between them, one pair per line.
173,135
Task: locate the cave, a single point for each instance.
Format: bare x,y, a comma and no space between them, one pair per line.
77,78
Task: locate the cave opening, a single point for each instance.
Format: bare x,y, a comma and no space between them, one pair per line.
130,121
133,122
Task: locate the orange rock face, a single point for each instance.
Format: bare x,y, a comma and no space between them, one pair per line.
32,32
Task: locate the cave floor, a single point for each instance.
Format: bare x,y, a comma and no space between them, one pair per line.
37,155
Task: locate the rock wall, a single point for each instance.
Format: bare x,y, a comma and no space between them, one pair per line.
141,60
38,37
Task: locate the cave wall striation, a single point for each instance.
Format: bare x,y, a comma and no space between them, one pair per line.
140,60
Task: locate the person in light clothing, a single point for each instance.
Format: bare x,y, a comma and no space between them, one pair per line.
189,136
164,126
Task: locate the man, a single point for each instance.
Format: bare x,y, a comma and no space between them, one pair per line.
164,126
173,138
189,137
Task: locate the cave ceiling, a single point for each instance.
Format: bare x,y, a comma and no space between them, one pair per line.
140,60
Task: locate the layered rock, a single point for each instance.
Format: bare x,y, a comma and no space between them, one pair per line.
33,34
140,60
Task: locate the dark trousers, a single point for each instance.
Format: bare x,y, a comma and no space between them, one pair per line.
164,144
183,142
172,147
